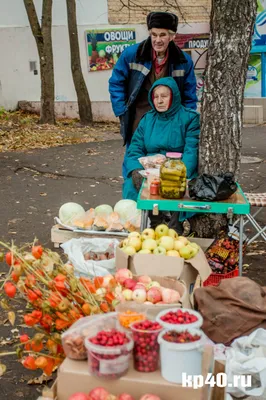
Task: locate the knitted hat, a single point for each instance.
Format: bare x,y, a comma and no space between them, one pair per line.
162,20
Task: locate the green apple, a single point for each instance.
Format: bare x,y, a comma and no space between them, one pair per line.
148,233
173,253
172,233
167,242
183,239
149,244
152,284
134,234
178,244
144,251
130,250
125,242
135,242
186,252
161,230
195,245
160,250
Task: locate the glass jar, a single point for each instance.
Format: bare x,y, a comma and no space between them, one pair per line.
173,177
155,187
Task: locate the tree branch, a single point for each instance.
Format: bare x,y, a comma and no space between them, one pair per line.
33,20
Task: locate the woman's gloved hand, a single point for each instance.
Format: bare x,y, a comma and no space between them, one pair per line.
137,179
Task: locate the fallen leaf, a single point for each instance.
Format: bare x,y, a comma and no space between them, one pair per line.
2,369
4,304
11,317
43,194
39,380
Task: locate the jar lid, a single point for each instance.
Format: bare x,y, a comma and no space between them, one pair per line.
174,155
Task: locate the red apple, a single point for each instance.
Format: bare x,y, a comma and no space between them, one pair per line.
154,295
129,284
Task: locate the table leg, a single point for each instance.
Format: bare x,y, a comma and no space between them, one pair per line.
144,219
241,231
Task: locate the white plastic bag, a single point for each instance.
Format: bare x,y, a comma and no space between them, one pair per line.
247,356
76,248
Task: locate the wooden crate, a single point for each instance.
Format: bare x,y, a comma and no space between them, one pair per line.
60,235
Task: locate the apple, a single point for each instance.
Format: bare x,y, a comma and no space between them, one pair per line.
125,242
123,274
144,279
129,284
183,239
167,242
144,251
178,244
173,253
153,284
154,295
134,234
161,230
149,244
148,233
195,246
139,295
172,233
135,242
140,285
159,251
128,294
186,252
170,295
130,250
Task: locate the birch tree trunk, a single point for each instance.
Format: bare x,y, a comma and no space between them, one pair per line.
43,37
84,103
231,29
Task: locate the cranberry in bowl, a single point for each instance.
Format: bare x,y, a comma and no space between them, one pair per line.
179,317
109,353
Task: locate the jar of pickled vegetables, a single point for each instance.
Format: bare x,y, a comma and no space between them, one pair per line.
173,177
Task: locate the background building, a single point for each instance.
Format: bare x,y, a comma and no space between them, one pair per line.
105,27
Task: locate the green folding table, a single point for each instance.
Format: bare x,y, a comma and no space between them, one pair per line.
237,204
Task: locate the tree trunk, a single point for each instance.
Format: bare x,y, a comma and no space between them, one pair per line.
43,38
84,103
231,29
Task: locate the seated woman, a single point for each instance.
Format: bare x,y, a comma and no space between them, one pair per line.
168,127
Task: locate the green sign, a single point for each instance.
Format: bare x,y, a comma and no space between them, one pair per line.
105,46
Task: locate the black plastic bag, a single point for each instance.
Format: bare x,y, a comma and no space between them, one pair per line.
212,187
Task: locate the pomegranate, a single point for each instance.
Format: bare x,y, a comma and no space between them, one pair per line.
170,296
154,295
123,274
98,393
79,396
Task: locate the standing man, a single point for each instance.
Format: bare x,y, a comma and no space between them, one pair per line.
140,65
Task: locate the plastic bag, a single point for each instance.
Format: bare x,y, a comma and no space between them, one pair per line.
247,356
77,248
212,187
152,161
73,338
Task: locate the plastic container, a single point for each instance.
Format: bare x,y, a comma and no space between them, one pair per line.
166,325
108,362
146,352
215,279
179,358
173,177
73,338
128,313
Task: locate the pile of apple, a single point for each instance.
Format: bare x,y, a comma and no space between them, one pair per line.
143,290
161,241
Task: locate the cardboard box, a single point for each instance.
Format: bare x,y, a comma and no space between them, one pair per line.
153,310
177,268
73,376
